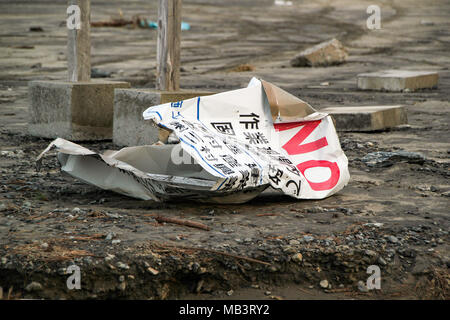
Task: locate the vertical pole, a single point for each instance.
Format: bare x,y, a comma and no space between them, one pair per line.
168,46
79,44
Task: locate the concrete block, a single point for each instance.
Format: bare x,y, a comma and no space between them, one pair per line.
368,118
78,111
324,54
130,129
397,80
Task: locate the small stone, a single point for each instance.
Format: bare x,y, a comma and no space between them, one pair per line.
33,286
76,210
308,238
122,265
324,284
298,257
289,250
374,224
426,23
116,241
294,242
362,287
110,236
267,293
109,257
230,293
152,271
121,278
382,261
370,253
4,260
392,239
44,245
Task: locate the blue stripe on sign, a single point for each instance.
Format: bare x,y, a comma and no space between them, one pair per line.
198,108
181,139
222,183
156,113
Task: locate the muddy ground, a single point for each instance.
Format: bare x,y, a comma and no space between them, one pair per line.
274,247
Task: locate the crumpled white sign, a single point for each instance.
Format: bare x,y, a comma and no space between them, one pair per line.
236,137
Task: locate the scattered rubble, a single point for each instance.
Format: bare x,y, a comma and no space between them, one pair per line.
387,159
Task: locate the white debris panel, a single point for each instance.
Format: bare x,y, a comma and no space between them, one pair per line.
232,146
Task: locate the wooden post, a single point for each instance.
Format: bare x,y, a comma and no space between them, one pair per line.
168,46
79,44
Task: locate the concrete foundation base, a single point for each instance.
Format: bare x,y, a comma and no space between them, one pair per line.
130,129
78,111
370,118
397,80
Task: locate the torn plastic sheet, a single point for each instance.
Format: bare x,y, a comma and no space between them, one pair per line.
233,145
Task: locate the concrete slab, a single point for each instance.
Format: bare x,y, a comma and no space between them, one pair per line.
78,111
130,129
367,118
397,80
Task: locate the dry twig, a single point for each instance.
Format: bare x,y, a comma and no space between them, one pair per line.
187,223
